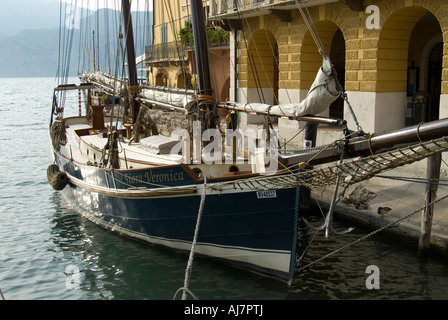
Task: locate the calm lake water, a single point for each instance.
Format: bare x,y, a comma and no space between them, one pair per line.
43,240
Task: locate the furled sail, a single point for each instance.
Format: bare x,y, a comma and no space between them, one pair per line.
159,95
322,93
107,82
170,96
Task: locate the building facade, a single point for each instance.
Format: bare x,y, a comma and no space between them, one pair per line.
170,60
390,56
166,60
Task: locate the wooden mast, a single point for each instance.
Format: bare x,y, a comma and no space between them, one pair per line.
133,86
205,91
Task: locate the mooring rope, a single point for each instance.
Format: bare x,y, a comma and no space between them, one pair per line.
371,234
193,246
441,182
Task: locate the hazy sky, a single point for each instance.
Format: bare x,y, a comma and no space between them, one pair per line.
137,5
16,15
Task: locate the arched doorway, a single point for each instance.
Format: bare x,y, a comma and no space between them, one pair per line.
184,80
334,43
262,68
162,78
337,57
276,75
224,96
424,70
403,68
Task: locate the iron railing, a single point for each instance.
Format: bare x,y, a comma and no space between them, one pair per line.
169,51
220,7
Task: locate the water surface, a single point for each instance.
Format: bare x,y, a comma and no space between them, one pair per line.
43,240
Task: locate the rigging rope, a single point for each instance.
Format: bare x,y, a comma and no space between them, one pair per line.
311,27
251,60
65,39
193,246
353,170
321,48
440,182
179,48
372,233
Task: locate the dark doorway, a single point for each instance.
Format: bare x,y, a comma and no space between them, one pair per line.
276,75
435,80
337,57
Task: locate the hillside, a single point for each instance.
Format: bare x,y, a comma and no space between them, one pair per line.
30,53
35,53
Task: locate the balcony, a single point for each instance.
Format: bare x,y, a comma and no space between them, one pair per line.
165,53
174,52
237,9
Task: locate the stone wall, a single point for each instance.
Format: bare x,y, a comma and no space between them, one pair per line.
377,58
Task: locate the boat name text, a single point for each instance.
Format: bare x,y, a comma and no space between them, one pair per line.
150,177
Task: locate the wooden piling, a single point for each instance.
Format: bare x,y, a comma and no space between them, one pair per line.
432,177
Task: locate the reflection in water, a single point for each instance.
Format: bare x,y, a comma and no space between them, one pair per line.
343,275
43,240
114,267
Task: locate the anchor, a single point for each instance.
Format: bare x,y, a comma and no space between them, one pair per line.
328,223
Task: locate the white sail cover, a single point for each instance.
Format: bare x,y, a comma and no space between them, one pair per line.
172,96
322,93
319,98
106,81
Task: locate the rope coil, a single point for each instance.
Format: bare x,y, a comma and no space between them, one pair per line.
205,99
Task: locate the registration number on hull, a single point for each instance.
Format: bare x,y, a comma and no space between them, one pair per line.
266,194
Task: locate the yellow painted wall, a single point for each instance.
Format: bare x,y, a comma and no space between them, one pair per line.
172,13
376,60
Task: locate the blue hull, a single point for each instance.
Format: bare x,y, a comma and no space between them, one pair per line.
246,228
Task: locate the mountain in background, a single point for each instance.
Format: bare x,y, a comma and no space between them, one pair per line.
18,15
35,52
30,53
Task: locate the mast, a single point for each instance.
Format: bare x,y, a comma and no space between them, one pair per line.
205,91
133,86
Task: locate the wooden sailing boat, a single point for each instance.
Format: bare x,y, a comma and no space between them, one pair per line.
120,172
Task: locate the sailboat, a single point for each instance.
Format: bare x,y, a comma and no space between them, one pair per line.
240,206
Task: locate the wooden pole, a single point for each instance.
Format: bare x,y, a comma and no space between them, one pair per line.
133,86
310,142
432,177
205,90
